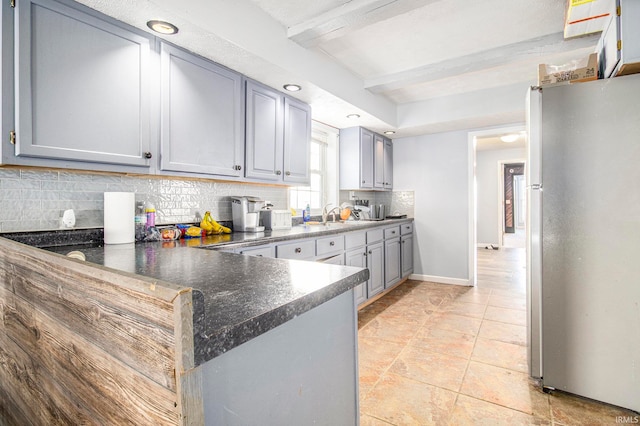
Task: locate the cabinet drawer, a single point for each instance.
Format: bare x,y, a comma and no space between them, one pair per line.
258,251
375,235
391,232
406,228
355,239
297,250
329,245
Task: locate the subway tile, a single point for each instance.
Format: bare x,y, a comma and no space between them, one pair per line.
10,194
106,178
45,175
75,177
9,173
20,184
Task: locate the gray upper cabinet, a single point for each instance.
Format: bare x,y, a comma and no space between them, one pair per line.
264,133
356,147
278,135
202,115
374,155
82,86
379,162
297,137
388,164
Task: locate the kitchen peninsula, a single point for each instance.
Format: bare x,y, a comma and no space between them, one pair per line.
167,333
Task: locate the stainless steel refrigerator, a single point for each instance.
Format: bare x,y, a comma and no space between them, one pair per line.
583,242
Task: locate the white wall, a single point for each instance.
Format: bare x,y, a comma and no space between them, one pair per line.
489,198
436,168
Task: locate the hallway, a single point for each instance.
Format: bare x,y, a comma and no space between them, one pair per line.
444,354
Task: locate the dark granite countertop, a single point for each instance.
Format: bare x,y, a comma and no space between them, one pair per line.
235,297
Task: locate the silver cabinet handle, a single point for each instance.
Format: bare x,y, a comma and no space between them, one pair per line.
288,173
298,250
147,155
278,172
332,243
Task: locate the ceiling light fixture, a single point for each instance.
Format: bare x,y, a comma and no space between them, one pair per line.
509,138
353,116
292,87
389,132
162,27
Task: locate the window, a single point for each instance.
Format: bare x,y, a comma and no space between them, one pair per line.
323,187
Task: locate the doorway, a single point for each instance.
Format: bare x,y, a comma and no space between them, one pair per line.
511,192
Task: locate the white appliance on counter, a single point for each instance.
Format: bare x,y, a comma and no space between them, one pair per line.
583,242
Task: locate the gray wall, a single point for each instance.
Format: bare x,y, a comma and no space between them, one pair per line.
34,199
435,167
489,199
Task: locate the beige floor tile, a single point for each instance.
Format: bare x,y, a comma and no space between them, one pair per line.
452,322
401,401
434,368
444,341
391,328
511,316
501,354
472,310
508,302
372,421
503,332
572,410
471,411
375,356
477,295
504,387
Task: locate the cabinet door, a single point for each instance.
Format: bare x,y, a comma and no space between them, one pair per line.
297,141
388,164
358,257
202,121
366,158
392,265
82,87
264,133
375,263
378,168
406,254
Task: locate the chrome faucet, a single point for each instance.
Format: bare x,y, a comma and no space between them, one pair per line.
332,212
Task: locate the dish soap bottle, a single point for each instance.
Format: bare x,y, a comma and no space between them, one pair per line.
150,210
306,214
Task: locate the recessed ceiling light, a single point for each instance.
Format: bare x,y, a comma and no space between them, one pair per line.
162,27
353,116
292,87
389,132
509,138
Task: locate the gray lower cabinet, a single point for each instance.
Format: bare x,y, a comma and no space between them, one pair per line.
202,128
83,86
406,254
278,135
358,257
375,263
392,273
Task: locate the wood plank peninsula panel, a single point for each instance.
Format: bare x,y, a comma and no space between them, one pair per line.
83,344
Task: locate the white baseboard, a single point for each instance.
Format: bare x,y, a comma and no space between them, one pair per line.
440,280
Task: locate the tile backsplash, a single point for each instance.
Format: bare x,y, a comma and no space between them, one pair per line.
34,199
398,202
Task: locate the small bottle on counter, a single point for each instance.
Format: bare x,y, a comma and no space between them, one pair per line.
306,214
150,210
140,221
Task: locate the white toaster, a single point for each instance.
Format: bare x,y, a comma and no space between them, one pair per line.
276,219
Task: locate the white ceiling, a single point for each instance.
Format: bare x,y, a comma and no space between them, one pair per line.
414,66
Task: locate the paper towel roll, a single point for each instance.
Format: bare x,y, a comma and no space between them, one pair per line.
119,214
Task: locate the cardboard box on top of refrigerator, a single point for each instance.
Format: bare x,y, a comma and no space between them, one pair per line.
577,71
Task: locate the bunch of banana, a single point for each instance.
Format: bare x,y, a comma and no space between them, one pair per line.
211,226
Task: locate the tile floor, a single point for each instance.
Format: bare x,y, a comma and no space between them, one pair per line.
449,355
